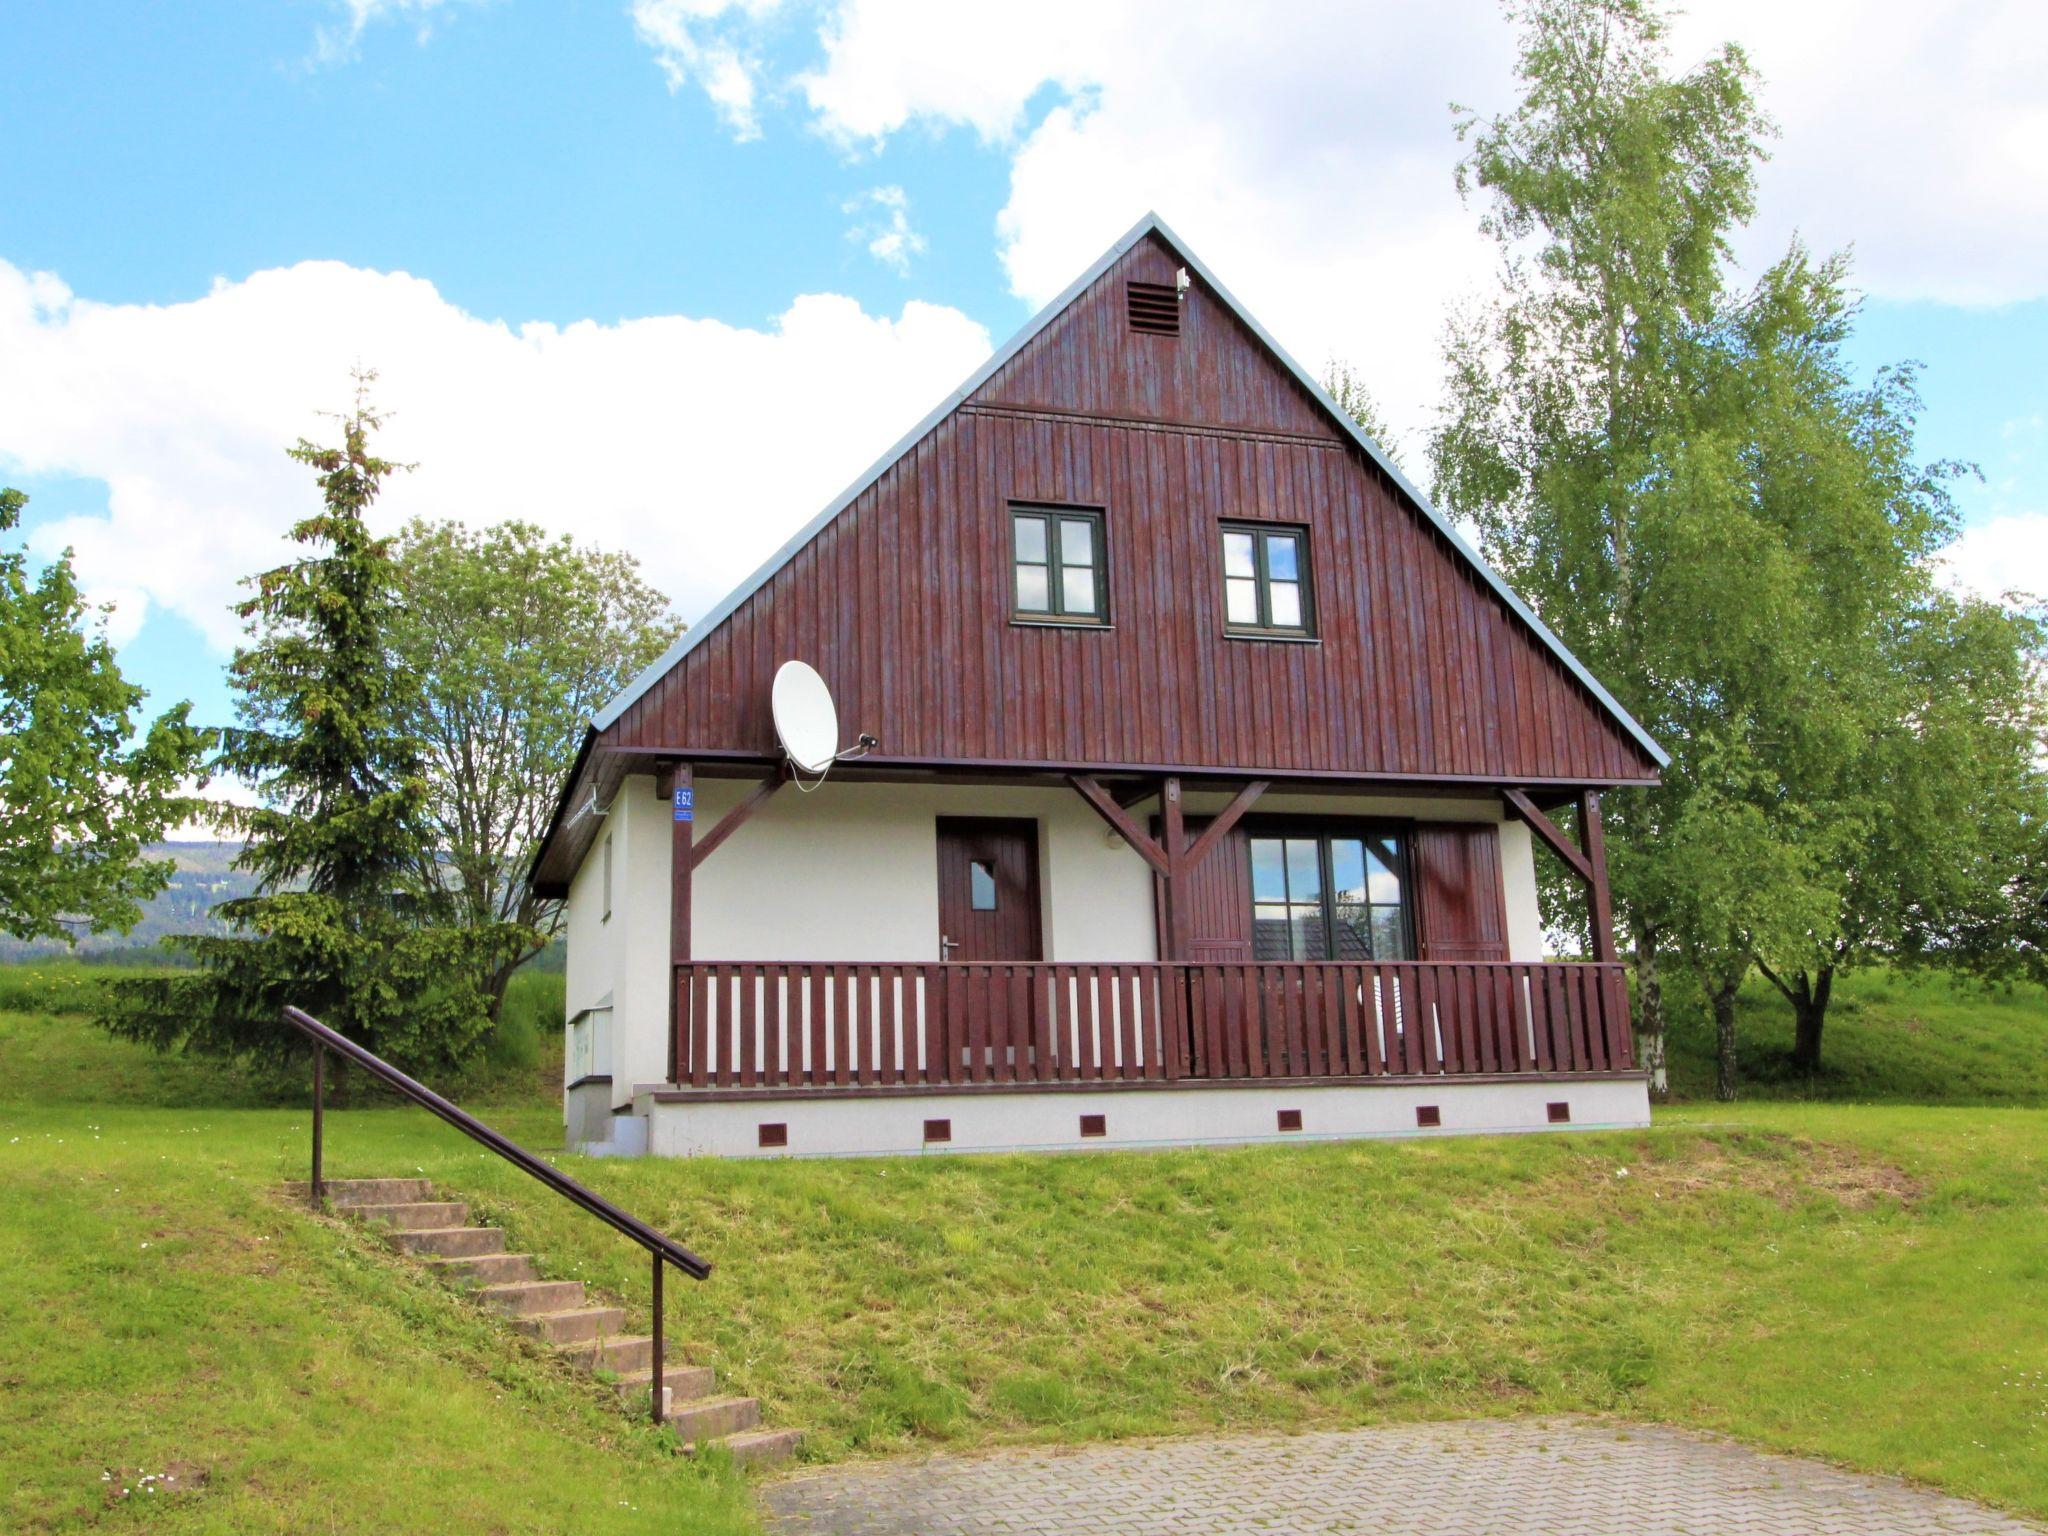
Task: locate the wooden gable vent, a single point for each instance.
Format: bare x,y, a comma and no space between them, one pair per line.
1154,308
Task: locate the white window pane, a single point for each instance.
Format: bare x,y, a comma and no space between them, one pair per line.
1032,593
1237,555
1269,873
1077,541
1077,589
981,885
1347,869
1286,599
1280,557
1030,536
1241,601
1304,870
1385,885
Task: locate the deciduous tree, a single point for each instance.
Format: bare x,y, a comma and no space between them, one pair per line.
84,788
513,639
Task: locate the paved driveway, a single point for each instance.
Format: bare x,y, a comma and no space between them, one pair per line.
1493,1478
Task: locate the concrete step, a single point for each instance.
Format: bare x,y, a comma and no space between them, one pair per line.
414,1215
679,1383
451,1242
579,1326
621,1353
364,1191
707,1418
522,1298
486,1268
755,1447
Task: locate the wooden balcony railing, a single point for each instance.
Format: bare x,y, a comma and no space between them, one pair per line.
830,1024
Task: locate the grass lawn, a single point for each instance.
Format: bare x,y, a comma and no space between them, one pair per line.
1865,1283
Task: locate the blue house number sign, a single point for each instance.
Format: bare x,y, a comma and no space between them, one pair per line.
686,804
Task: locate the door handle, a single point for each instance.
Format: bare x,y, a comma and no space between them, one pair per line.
947,946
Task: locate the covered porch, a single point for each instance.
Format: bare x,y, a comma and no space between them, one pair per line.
1006,948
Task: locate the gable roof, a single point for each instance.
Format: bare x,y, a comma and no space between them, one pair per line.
1150,225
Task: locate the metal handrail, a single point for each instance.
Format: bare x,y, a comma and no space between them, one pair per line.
663,1249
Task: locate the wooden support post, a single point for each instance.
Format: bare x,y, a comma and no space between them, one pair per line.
735,818
1119,820
682,798
1174,941
1227,818
1550,832
1595,839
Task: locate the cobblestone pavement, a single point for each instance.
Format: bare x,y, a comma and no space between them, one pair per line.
1493,1478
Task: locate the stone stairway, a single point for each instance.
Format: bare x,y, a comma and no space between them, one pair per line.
437,1233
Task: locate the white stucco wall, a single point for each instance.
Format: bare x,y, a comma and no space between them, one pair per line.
1049,1120
850,872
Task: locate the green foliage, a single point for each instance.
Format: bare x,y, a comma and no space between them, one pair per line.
1693,488
514,639
81,794
1347,387
353,919
1898,1036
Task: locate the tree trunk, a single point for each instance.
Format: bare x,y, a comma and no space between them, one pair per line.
1723,999
1649,1023
1809,1016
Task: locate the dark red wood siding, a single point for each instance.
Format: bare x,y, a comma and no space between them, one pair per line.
1460,907
903,601
1219,897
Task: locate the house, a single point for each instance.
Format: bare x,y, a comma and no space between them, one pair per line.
1211,770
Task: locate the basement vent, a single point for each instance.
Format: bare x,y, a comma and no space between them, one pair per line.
1290,1119
1560,1113
1428,1114
938,1130
774,1134
1095,1125
1154,308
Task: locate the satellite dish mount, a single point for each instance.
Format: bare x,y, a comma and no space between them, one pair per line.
807,724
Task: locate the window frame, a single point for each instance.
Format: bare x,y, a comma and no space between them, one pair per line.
1051,514
1262,580
1326,831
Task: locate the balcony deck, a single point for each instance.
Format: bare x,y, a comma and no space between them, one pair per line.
843,1028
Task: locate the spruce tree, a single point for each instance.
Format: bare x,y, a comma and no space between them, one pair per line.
352,918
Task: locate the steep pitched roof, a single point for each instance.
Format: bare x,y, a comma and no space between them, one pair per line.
1150,225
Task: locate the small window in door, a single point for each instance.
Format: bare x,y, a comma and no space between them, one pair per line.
981,885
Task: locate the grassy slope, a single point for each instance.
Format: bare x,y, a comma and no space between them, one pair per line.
1891,1037
1867,1284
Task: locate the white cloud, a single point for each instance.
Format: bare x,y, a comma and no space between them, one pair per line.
708,42
883,226
1912,131
665,436
2003,556
340,43
1306,149
1305,152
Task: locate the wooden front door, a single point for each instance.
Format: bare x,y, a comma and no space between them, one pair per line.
988,889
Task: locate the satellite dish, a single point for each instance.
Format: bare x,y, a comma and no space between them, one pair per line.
805,717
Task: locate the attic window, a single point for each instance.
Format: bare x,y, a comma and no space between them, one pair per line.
1154,308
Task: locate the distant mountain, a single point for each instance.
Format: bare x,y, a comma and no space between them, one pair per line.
202,880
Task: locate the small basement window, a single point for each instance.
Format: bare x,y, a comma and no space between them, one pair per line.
1265,581
1058,564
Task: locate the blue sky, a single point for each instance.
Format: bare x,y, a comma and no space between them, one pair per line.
609,215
